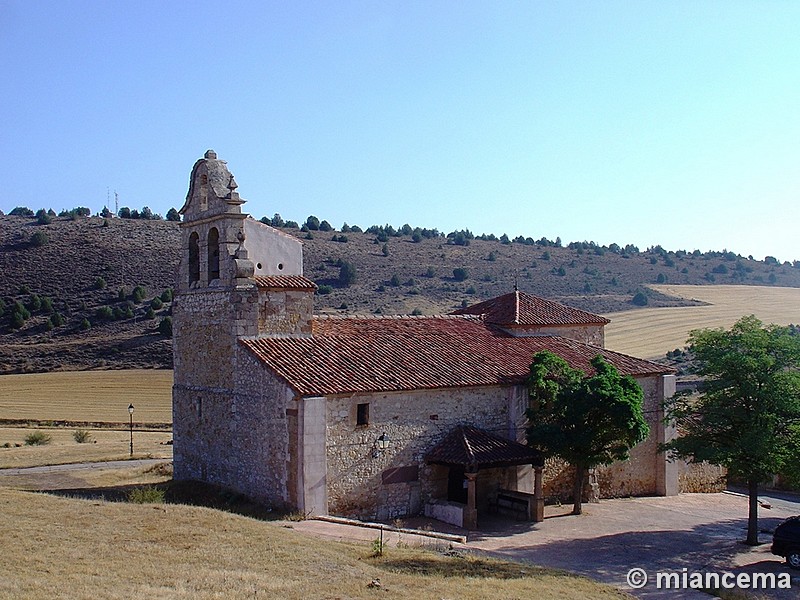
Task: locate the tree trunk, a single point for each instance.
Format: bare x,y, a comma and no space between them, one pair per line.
752,517
577,489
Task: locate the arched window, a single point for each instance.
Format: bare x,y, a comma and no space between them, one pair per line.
194,257
213,254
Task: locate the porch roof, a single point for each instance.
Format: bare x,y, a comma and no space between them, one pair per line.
474,449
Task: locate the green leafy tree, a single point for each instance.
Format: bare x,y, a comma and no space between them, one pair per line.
173,215
587,420
747,417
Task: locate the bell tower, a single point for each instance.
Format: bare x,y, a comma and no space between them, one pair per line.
231,283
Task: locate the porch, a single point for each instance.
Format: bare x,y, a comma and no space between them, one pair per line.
485,471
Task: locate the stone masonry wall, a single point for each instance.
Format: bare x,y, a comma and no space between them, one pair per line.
398,482
636,476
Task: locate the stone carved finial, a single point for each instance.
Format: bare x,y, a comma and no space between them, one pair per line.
232,185
211,155
241,251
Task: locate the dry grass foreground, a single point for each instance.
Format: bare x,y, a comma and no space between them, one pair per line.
93,396
68,548
651,332
102,445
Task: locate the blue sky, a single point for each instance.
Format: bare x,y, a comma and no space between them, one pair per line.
673,123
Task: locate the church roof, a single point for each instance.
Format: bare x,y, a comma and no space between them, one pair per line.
384,354
294,282
474,448
521,309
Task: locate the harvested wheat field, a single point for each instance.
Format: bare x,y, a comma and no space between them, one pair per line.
651,332
90,396
62,448
69,548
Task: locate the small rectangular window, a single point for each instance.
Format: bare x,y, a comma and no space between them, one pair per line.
362,414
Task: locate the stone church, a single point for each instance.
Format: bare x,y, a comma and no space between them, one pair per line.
366,416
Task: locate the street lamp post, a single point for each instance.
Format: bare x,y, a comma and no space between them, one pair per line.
130,412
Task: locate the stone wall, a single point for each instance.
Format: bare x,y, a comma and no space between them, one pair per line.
587,334
285,311
701,477
637,476
367,484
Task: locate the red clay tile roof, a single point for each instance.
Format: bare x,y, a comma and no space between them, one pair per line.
475,448
382,354
297,282
520,309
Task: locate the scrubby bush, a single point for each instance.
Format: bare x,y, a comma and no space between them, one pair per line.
173,215
20,309
38,438
39,238
324,290
639,299
156,303
150,313
460,274
105,313
166,295
138,294
34,302
42,218
385,250
21,211
347,274
85,324
57,319
147,494
82,436
165,327
47,305
16,321
99,283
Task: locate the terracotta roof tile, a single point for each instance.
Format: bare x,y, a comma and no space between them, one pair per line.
374,354
297,282
519,308
471,447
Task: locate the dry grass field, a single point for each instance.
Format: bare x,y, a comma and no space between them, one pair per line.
54,547
651,332
92,396
103,445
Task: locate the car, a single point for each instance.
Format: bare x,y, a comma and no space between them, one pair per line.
786,541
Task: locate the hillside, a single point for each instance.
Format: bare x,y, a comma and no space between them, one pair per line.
83,265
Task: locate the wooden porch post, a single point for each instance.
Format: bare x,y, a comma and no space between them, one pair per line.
471,512
538,495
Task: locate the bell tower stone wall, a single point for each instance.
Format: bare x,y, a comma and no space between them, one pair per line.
217,301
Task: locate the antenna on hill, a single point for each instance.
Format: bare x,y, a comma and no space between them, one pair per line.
116,203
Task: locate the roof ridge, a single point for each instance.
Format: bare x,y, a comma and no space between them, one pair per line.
332,317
